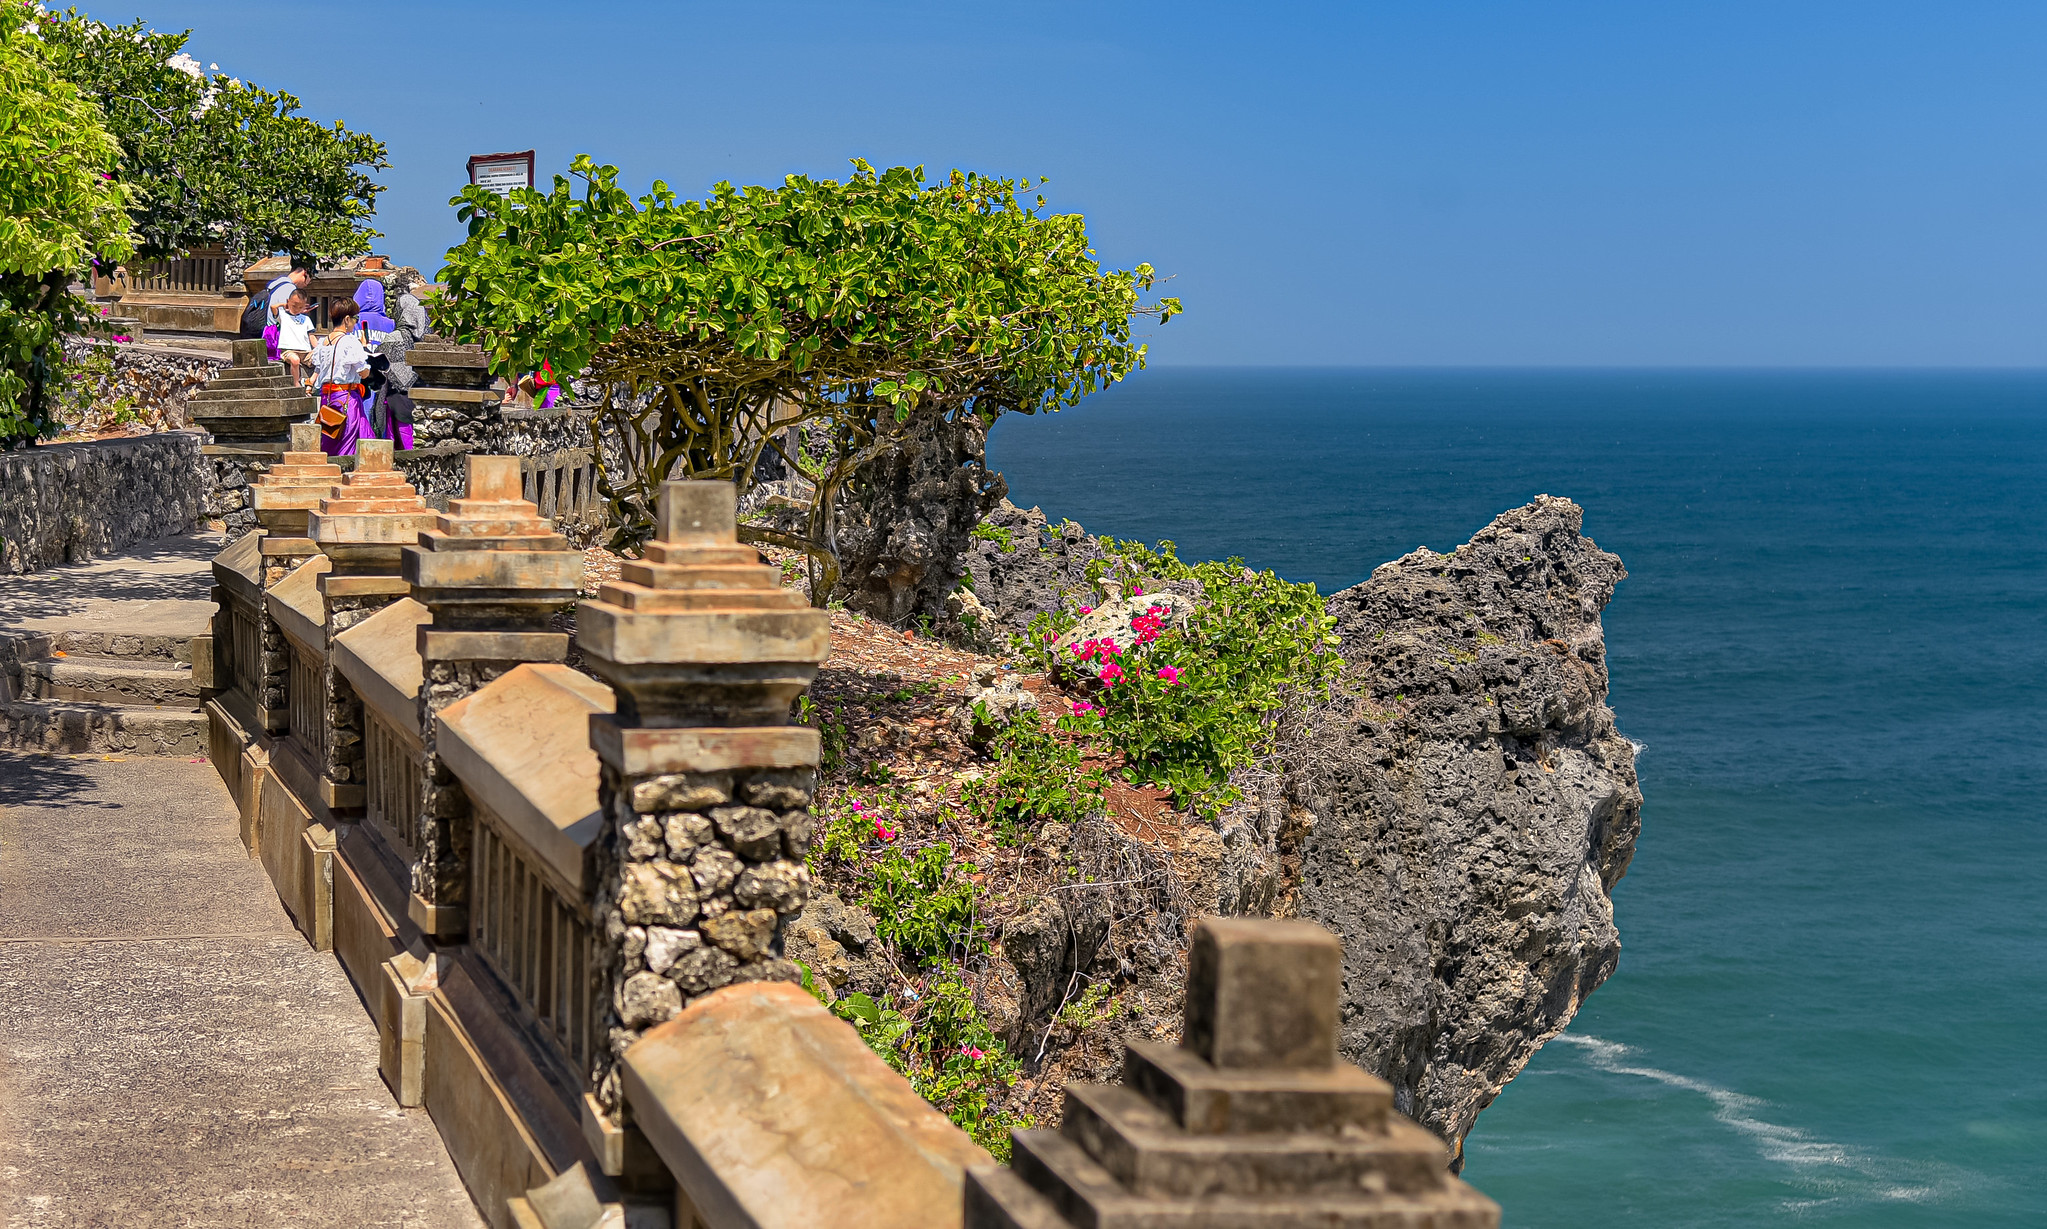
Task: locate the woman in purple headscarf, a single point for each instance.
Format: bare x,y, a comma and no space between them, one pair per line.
375,328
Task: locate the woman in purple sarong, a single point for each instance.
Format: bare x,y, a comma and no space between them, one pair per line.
339,362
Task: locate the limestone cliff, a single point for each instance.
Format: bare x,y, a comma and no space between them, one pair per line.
1463,807
1458,812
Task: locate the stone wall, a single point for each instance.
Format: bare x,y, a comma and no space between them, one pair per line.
64,502
144,383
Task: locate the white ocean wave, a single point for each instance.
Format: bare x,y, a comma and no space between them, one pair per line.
1836,1169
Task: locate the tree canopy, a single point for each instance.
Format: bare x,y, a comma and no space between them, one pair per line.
59,206
211,158
861,304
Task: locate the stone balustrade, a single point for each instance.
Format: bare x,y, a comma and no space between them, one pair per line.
561,896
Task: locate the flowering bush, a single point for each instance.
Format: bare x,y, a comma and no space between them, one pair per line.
1206,700
945,1048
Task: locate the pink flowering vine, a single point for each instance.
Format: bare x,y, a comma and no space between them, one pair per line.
1082,706
1171,676
1111,674
1087,610
973,1052
882,832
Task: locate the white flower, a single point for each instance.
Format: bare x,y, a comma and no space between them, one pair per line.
213,68
185,64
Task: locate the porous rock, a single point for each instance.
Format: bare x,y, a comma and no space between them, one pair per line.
1466,806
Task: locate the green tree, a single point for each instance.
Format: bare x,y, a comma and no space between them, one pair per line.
59,206
865,305
213,159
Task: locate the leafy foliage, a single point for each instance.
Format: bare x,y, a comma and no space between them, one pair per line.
212,159
59,206
1198,702
923,904
862,305
947,1052
1038,778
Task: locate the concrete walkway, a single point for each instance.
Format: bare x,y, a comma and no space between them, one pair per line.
171,1051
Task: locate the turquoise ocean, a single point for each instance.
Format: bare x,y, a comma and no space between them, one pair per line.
1831,651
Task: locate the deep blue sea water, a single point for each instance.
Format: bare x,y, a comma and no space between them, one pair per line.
1831,1006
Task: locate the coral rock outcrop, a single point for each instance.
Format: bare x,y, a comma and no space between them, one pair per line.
1464,806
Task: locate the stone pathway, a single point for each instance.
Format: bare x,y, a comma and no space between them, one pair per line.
171,1051
98,656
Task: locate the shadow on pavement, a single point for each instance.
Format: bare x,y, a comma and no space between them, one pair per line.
29,780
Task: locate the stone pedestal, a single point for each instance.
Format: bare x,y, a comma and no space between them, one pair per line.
493,571
1252,1121
705,787
362,526
251,402
282,497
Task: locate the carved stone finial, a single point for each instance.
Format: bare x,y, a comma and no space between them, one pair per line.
1252,1120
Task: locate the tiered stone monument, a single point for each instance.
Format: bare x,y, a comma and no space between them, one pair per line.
361,525
705,786
493,571
1252,1122
251,403
454,397
283,496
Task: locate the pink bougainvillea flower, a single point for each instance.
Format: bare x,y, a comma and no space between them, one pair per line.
1110,674
1087,610
857,805
973,1052
882,832
1082,706
1169,674
1136,590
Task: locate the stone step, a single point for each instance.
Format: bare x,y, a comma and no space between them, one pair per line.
1149,1154
1212,1101
255,407
124,681
997,1199
236,377
65,728
268,389
159,647
1089,1197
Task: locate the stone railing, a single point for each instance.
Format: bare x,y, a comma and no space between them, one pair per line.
562,899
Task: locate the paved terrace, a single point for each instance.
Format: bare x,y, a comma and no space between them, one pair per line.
171,1050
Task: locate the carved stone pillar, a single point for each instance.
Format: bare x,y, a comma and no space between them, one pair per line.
283,497
705,786
361,526
493,571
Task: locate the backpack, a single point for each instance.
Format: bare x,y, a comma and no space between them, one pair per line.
255,317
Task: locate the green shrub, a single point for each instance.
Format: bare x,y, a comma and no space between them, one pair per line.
922,907
1038,778
946,1050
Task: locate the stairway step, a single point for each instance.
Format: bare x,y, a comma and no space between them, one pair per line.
998,1199
63,727
1149,1154
1090,1197
129,681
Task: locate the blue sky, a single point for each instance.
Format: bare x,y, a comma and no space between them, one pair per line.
1798,182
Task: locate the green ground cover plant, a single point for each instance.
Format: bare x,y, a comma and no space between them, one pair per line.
1038,778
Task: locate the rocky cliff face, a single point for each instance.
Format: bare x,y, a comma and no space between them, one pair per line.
1463,807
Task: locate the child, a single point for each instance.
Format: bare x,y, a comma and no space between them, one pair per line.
294,333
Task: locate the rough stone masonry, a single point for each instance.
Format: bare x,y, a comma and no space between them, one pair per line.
705,788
